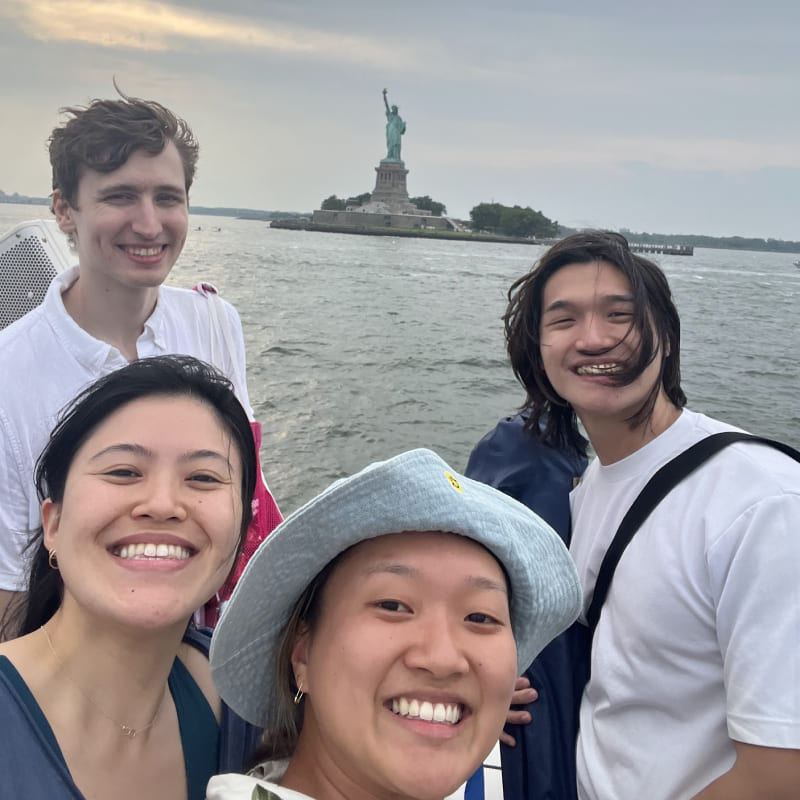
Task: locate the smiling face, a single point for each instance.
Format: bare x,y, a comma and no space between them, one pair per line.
408,671
149,522
587,338
129,225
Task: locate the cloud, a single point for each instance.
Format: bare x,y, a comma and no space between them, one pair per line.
596,150
153,26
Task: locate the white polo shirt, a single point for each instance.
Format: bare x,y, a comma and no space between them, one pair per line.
46,359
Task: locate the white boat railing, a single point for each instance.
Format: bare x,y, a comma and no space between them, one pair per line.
31,255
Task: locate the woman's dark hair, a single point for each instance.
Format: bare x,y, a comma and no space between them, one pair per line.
655,321
168,376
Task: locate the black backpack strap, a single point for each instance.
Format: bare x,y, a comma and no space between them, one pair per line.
656,489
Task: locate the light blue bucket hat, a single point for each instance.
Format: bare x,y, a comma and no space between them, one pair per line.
415,491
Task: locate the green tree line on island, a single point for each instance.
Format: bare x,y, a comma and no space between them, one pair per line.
523,223
334,203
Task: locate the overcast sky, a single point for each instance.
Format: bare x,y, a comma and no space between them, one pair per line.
673,117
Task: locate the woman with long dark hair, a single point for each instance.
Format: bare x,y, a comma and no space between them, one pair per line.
146,488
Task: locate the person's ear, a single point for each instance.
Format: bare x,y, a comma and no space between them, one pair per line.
63,212
51,518
300,658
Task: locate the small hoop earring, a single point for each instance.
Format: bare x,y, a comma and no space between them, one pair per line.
298,697
52,561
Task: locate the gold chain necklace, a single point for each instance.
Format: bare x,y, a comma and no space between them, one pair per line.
127,730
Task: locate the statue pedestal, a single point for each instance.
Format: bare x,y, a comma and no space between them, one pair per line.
390,194
389,206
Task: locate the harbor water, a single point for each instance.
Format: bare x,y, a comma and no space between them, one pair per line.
360,347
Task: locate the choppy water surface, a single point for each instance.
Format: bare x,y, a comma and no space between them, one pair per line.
360,347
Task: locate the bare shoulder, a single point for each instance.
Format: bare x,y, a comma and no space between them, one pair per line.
28,656
197,664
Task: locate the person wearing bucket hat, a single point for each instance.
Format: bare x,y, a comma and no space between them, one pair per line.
377,634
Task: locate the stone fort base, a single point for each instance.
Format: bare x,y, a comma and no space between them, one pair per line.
365,219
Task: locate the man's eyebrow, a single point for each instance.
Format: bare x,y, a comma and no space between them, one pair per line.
608,299
557,305
132,187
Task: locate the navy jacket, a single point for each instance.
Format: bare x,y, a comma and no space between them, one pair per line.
542,765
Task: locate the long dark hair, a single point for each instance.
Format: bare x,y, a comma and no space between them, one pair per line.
655,320
160,376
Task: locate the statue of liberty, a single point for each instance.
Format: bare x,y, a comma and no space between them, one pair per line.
395,128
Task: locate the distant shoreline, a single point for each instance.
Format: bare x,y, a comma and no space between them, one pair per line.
692,240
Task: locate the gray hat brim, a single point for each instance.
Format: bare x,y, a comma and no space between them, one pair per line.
415,491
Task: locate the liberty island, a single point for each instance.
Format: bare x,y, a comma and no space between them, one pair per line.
389,205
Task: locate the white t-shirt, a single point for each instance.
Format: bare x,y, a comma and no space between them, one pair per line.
46,359
699,639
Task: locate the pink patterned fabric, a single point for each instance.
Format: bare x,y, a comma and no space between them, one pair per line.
266,517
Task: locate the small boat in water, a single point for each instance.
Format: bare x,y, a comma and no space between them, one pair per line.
797,263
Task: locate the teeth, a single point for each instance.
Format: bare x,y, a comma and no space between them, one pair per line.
144,251
448,713
599,369
151,550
